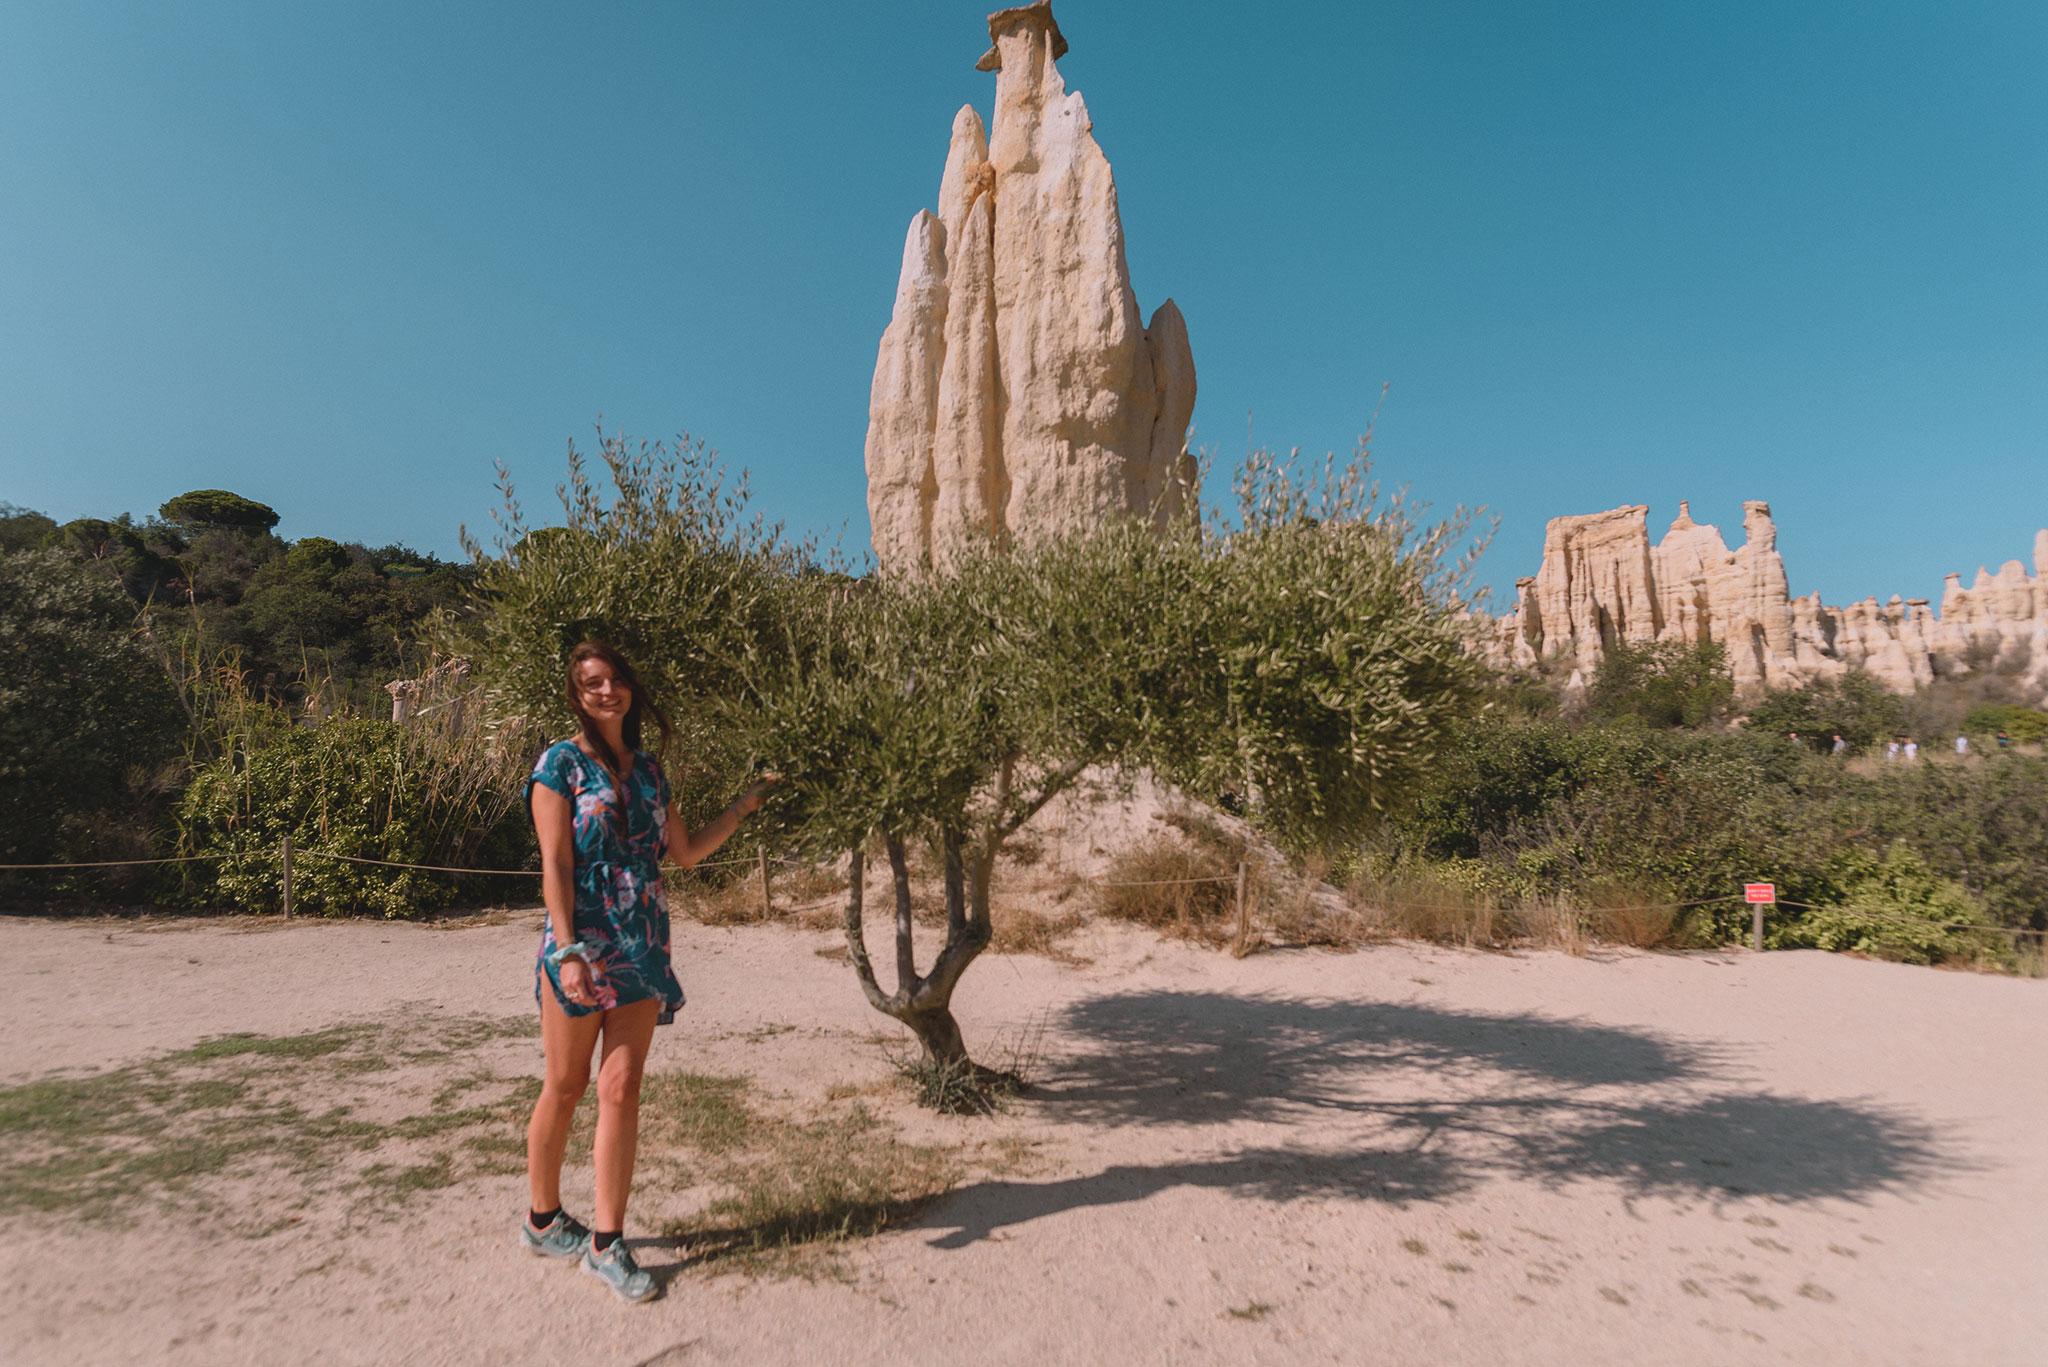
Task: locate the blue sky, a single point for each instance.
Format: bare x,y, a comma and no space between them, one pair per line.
342,257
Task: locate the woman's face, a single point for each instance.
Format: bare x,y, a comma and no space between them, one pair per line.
602,694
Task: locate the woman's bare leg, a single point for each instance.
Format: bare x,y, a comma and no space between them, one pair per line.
628,1032
566,1042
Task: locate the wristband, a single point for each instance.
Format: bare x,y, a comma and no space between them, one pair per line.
578,950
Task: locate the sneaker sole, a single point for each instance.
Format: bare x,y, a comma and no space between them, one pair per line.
540,1251
653,1289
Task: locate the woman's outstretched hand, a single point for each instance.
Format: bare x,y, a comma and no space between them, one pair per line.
756,797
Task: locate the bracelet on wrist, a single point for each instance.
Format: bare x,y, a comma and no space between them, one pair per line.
577,950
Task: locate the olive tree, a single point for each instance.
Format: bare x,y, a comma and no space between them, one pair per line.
1307,648
1310,650
656,552
951,708
1330,655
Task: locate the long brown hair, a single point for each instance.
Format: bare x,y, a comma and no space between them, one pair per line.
643,705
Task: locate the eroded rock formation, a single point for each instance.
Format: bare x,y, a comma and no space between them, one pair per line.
1602,581
1016,389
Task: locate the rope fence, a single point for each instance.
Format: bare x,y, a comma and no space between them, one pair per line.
288,853
1909,921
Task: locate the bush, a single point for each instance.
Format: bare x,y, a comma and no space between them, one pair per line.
1662,684
1537,814
369,789
24,529
87,718
1856,707
1895,908
2022,725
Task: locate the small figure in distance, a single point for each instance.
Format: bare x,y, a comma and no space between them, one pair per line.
1891,749
1912,750
1962,745
2003,739
601,807
1840,747
1792,736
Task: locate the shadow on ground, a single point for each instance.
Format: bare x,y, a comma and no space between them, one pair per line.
1420,1103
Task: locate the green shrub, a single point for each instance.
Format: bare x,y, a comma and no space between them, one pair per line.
2023,725
25,529
1662,684
354,786
1856,707
87,719
1895,908
1537,812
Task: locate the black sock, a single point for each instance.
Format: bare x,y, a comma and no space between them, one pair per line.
600,1240
541,1219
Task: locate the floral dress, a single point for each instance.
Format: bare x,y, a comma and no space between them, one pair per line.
621,912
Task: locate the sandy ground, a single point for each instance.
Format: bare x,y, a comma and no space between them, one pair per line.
1400,1155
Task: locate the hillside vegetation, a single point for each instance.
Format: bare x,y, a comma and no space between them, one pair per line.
224,689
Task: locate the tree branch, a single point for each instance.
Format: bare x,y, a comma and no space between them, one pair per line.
1055,783
906,956
956,909
856,935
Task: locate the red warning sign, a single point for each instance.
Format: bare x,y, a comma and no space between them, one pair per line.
1766,893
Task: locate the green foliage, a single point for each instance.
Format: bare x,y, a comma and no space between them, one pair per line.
1530,812
2022,725
1894,907
1662,684
360,787
219,508
1854,706
665,565
1311,653
86,715
1325,661
318,619
24,529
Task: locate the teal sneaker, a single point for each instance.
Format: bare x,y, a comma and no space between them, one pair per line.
563,1238
615,1268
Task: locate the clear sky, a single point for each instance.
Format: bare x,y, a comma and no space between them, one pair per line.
341,257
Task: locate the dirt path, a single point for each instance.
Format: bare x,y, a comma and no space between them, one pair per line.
1400,1155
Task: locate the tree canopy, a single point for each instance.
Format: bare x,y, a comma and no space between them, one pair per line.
219,508
1310,653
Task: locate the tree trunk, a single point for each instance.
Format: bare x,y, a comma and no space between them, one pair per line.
939,1034
923,1003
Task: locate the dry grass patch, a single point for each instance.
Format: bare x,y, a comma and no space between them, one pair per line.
1555,924
1433,910
177,1132
801,895
1185,887
1304,911
1019,929
1633,915
794,1190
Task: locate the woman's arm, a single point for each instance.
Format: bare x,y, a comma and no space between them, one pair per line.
687,848
554,823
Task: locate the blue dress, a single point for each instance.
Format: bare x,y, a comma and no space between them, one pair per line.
621,911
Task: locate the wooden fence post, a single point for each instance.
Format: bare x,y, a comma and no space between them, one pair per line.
767,902
1243,923
1756,927
287,874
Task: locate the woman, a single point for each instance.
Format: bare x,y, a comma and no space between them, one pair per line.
600,805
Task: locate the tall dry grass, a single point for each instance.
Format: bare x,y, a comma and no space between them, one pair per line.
1184,888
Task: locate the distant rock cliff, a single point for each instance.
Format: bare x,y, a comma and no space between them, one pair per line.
1602,581
1016,389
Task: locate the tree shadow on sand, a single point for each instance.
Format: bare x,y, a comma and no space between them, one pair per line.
1420,1103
